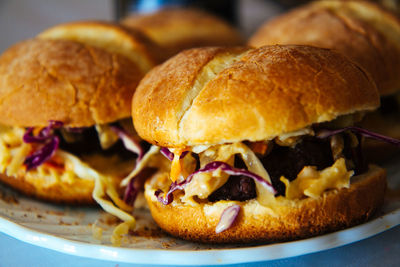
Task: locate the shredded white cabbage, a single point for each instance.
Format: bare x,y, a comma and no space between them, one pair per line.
107,137
143,163
304,131
103,187
200,148
18,155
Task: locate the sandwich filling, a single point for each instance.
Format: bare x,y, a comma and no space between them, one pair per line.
294,167
103,154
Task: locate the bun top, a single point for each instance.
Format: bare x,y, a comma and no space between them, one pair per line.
111,37
219,95
68,75
363,31
177,29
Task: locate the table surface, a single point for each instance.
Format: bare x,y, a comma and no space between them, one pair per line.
382,249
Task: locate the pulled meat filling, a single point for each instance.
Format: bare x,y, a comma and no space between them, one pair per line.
86,141
288,162
239,188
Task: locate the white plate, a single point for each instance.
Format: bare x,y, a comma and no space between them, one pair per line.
69,230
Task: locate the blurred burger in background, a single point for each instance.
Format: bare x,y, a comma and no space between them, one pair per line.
364,32
175,29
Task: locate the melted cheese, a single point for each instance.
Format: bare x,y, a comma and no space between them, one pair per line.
176,168
313,183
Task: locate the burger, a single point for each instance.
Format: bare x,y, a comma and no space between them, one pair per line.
364,32
65,130
260,142
177,29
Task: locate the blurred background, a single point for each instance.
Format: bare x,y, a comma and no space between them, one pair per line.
23,19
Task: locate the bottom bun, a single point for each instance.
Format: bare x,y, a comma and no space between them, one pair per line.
78,191
288,220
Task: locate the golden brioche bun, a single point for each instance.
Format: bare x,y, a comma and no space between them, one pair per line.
77,192
80,73
361,30
221,95
66,72
177,29
42,80
290,219
111,37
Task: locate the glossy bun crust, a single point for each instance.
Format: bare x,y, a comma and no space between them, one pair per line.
79,81
177,29
111,37
293,219
361,30
221,95
80,73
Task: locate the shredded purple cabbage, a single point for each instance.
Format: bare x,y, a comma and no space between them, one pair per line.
44,135
328,133
168,197
130,193
210,167
137,184
41,155
132,190
129,143
47,138
169,155
227,218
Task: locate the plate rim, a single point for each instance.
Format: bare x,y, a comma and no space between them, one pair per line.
202,256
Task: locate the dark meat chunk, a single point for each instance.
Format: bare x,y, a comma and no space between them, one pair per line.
86,141
281,161
239,188
288,162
